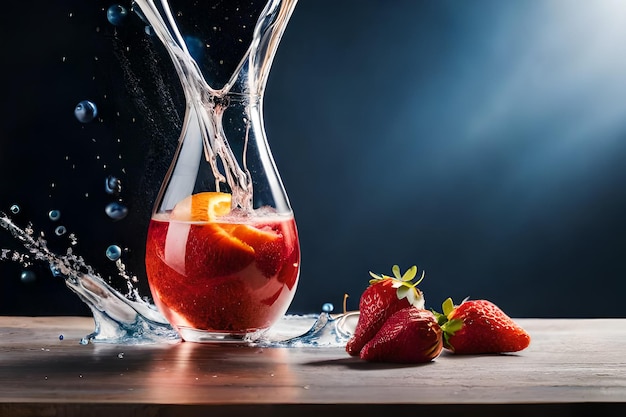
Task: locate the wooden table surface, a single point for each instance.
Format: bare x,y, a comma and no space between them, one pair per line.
573,367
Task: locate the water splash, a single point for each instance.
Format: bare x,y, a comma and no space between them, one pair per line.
326,330
118,318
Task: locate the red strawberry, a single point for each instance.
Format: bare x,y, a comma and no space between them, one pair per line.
479,326
380,300
410,335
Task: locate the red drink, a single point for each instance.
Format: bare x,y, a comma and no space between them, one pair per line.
215,280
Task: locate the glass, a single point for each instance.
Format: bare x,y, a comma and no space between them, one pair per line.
222,250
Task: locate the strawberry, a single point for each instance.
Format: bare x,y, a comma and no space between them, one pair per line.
479,326
384,296
410,335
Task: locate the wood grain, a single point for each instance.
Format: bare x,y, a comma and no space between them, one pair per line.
572,367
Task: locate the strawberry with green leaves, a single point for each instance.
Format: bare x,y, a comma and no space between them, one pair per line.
384,296
410,335
479,326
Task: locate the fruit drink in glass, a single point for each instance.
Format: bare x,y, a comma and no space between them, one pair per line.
220,276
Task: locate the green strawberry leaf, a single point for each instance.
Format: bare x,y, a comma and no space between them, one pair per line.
396,271
447,307
448,326
452,326
376,278
441,318
407,276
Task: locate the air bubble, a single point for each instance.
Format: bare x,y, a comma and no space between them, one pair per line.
112,185
15,209
114,252
54,215
60,230
116,14
85,111
28,277
327,307
116,211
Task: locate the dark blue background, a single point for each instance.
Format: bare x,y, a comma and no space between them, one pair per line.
482,141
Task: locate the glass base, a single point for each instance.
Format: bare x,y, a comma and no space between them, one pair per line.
204,336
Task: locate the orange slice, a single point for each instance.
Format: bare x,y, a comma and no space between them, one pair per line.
269,248
251,235
202,207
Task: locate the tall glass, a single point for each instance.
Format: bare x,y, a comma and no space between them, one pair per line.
222,252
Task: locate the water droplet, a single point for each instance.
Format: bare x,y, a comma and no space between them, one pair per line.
56,272
116,14
85,111
15,209
112,185
60,230
54,215
116,211
327,307
114,252
28,277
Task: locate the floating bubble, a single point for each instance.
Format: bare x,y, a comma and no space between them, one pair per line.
60,230
327,307
116,211
114,252
112,185
85,111
15,209
54,215
116,14
28,277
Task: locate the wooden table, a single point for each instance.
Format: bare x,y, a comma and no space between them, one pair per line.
573,367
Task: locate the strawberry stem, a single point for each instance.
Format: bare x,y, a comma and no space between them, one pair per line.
448,326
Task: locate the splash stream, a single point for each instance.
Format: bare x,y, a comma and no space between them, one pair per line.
118,318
